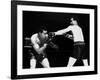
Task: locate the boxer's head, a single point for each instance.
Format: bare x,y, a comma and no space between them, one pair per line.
74,21
43,32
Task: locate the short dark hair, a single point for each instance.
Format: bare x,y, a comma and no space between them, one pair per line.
42,28
75,18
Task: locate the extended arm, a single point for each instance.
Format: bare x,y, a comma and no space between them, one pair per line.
63,31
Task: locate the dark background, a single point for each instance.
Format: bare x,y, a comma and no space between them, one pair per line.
32,21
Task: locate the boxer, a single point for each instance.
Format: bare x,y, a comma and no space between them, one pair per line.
39,44
79,43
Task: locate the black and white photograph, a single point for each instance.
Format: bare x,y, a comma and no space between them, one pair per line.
53,39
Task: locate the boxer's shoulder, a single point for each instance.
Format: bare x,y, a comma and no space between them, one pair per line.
34,35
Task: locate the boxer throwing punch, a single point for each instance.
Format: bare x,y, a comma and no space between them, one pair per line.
79,44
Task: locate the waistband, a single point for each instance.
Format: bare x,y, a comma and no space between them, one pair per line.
79,43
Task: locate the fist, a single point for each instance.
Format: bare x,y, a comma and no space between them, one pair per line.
51,34
45,45
69,36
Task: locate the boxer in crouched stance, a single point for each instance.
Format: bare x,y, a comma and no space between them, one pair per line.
39,44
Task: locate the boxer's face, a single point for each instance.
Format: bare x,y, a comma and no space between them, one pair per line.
73,22
44,34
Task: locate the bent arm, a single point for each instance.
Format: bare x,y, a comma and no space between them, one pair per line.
38,49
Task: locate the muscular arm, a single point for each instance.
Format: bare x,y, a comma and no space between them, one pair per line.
36,47
63,31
